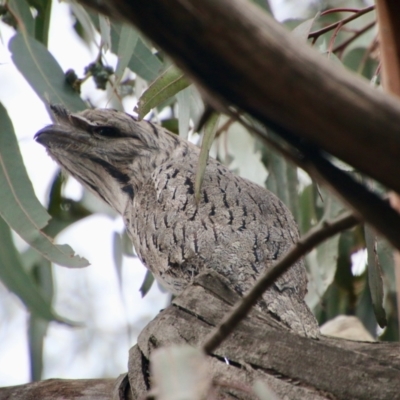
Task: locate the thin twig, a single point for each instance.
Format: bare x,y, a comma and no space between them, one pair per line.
344,21
313,238
343,45
336,10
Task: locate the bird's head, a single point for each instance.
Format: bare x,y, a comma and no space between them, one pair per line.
109,152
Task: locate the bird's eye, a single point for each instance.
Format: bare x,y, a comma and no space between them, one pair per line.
108,131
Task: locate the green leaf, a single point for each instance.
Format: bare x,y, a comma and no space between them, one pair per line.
126,46
170,82
105,32
43,72
322,262
303,30
42,22
127,246
37,331
264,4
208,138
375,279
143,62
180,372
183,98
18,204
117,256
307,217
84,19
147,283
17,280
22,13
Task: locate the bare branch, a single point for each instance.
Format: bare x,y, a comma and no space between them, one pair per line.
343,21
314,237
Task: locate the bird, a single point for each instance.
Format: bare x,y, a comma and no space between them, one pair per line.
146,174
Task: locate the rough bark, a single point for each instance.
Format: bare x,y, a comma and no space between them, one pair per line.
261,348
240,56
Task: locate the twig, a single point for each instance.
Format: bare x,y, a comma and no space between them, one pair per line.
343,45
335,10
314,237
344,21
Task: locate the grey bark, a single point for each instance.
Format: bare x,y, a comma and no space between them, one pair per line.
293,366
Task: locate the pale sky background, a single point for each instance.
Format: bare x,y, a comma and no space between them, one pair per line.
92,294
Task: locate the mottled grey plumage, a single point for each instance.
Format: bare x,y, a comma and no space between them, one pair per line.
147,174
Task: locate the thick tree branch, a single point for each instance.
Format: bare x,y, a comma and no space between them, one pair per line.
61,389
302,247
245,58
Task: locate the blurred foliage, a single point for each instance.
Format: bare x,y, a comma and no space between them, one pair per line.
145,73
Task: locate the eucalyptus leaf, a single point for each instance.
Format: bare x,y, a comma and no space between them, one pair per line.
147,283
183,98
375,279
42,21
264,4
208,138
84,19
37,330
170,82
17,280
303,30
143,62
126,46
19,205
43,72
118,256
21,11
105,32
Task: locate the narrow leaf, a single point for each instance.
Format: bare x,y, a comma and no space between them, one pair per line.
143,62
37,330
170,82
18,204
84,19
303,30
17,280
127,246
183,98
126,46
42,22
180,372
117,256
208,138
21,11
375,279
105,32
43,73
264,4
147,283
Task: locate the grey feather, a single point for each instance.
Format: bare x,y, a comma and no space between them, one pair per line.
147,174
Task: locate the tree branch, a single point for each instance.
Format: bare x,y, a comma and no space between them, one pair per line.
249,60
302,247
